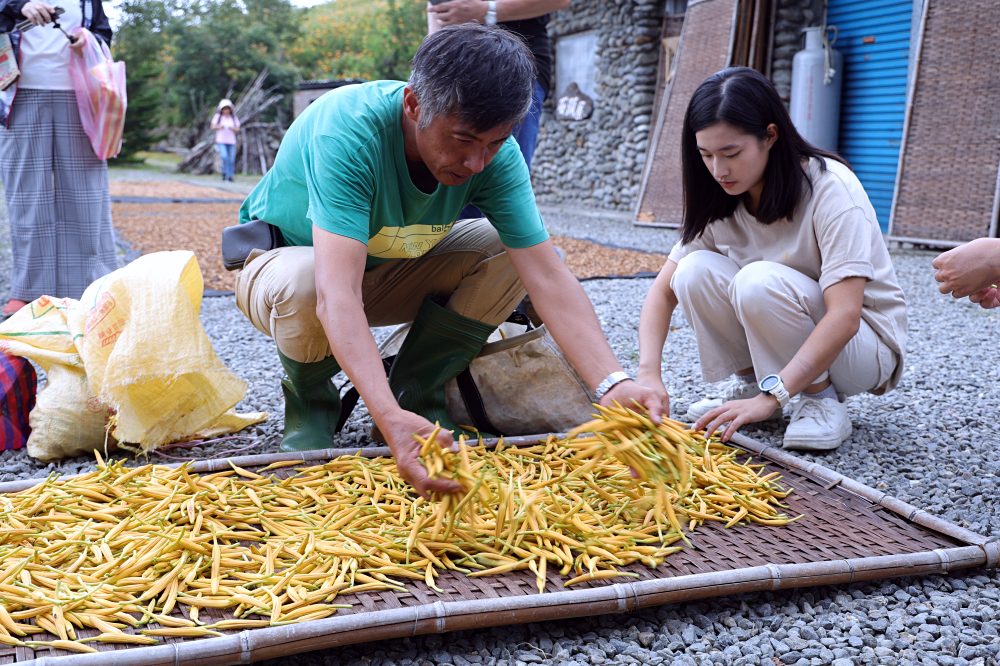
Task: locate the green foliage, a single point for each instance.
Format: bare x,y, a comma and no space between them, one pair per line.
138,41
142,121
366,39
182,56
220,47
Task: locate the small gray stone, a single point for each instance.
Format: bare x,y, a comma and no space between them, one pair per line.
796,643
808,633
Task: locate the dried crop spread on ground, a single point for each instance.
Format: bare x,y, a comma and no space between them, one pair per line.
152,227
119,549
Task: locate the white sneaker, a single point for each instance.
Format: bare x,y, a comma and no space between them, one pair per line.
734,388
817,424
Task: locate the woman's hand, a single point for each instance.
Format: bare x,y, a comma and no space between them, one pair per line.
737,413
37,12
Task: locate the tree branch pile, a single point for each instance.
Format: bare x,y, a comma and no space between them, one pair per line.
256,142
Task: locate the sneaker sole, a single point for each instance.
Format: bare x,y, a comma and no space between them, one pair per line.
825,444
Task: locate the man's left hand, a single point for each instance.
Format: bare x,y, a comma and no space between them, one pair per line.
630,392
458,11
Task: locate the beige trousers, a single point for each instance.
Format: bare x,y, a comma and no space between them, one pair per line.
469,269
760,315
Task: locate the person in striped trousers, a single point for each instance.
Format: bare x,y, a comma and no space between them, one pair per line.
55,187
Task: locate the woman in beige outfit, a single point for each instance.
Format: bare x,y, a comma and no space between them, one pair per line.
781,269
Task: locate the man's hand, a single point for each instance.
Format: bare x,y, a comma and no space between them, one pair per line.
458,11
38,13
655,383
405,449
737,413
969,268
630,392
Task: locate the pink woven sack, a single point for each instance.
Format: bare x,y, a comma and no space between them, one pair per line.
99,83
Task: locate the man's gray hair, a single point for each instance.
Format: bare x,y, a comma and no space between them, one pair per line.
482,74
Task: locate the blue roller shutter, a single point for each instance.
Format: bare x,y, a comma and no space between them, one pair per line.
875,40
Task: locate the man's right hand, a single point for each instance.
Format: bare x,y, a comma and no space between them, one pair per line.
655,383
398,432
38,13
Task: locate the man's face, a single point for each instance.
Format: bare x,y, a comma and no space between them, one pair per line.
454,152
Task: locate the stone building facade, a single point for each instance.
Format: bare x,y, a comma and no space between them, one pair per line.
598,162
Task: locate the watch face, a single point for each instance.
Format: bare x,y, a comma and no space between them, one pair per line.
769,383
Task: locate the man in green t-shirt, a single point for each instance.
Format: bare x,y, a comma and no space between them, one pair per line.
366,188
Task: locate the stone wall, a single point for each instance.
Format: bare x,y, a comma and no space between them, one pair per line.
792,16
598,162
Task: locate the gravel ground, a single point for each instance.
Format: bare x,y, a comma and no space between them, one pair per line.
931,442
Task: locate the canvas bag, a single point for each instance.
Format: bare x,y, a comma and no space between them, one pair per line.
99,83
519,384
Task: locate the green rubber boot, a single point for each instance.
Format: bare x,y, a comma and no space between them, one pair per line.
312,404
440,344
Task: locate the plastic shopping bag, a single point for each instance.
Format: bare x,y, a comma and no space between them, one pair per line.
99,83
131,357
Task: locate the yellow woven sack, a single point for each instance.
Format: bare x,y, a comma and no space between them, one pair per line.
137,335
68,419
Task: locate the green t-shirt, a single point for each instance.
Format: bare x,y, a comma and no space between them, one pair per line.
341,167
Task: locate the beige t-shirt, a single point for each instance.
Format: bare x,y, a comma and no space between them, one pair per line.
833,235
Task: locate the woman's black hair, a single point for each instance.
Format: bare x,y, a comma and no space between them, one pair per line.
746,99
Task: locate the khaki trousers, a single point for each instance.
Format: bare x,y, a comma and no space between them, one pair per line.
469,269
760,315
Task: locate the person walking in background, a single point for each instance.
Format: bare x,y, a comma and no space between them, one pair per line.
528,19
971,270
56,188
781,268
226,124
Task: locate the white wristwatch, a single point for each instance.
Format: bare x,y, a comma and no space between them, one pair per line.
773,386
491,13
609,382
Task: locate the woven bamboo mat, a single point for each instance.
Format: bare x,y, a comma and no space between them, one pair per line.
849,533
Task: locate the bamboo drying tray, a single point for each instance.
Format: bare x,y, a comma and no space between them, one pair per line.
850,533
